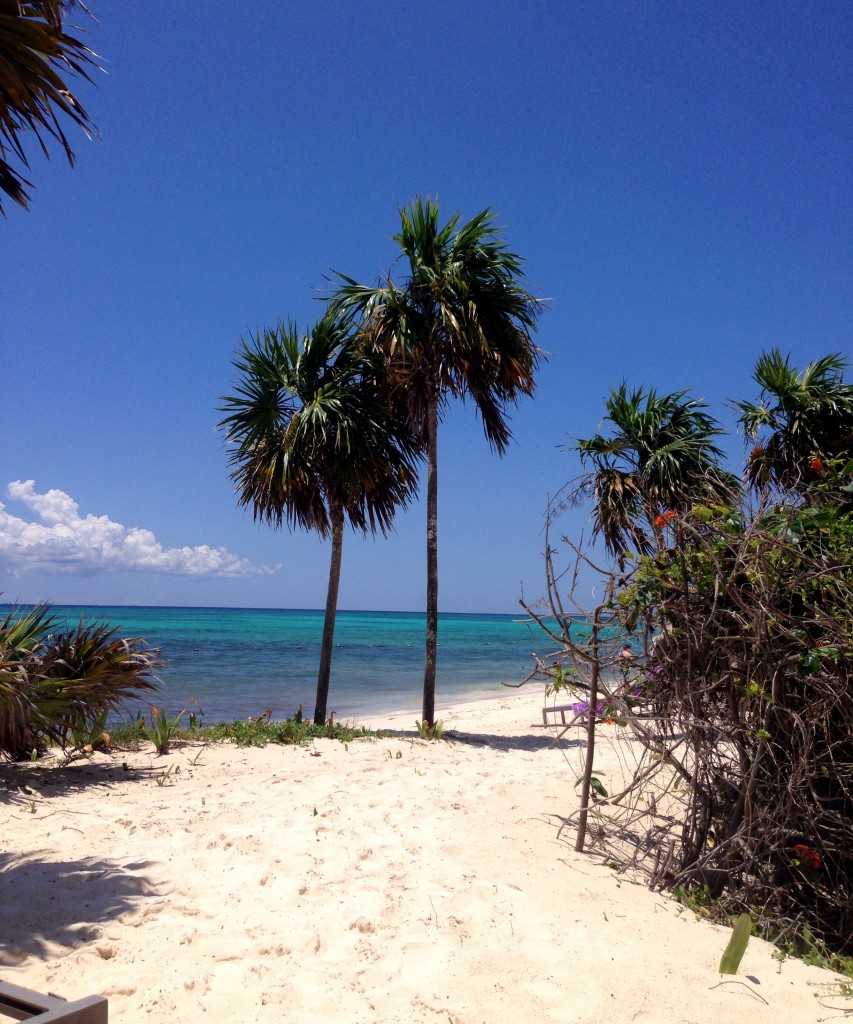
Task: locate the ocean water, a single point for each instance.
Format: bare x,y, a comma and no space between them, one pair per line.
235,662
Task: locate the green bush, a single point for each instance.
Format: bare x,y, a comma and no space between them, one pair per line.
749,617
56,684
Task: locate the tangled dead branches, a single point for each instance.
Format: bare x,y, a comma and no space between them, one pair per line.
739,698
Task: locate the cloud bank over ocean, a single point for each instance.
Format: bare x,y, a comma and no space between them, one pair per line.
65,541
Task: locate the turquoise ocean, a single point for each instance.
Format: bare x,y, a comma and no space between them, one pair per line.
236,662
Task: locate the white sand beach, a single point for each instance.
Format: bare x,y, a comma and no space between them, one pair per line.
390,880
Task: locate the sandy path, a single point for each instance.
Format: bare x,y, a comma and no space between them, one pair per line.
394,880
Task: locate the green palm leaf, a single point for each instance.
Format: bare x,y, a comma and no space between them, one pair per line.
799,416
35,53
661,456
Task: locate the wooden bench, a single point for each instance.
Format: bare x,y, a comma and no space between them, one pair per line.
36,1008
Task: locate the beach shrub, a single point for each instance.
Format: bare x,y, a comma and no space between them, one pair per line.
56,684
738,614
750,632
247,732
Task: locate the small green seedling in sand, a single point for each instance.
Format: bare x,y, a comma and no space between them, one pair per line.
194,760
430,732
166,777
162,729
733,953
32,807
595,784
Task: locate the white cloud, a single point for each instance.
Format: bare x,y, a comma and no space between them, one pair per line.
66,542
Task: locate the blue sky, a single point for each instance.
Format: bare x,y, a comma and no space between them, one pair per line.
676,175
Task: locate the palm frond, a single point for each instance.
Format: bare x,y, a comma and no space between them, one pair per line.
36,56
310,430
660,456
799,416
459,325
53,682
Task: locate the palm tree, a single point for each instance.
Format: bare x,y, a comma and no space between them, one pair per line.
458,325
34,51
807,419
315,445
660,461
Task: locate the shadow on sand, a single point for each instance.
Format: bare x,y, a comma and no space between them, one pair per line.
48,902
527,742
22,780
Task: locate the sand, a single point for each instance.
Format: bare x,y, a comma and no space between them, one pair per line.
391,880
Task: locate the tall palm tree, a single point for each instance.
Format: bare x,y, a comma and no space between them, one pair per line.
660,460
35,51
459,324
804,416
315,446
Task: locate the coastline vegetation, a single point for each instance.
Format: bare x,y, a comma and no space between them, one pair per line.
245,732
738,602
57,686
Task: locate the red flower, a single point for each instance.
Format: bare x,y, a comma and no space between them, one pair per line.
663,519
808,856
817,466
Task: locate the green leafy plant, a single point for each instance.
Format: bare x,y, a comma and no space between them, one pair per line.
697,898
165,778
595,784
563,678
56,684
430,732
89,735
739,608
163,729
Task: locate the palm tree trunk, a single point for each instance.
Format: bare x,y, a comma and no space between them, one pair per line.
591,711
337,516
432,564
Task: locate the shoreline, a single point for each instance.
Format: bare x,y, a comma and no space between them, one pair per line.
450,705
379,880
233,663
451,710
